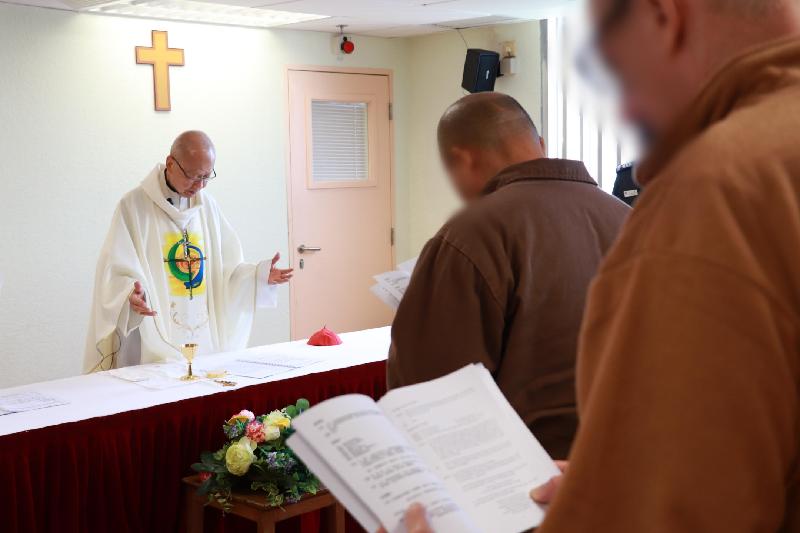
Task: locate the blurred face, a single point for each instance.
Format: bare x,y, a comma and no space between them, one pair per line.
463,170
190,174
639,46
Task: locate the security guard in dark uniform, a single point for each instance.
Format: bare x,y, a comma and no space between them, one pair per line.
625,186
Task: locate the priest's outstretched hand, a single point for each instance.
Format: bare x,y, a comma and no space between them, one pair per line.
278,276
138,300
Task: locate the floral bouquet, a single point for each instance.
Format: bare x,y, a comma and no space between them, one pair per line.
256,458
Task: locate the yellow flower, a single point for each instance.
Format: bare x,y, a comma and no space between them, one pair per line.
278,419
240,456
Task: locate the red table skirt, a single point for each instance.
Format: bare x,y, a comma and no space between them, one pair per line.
122,473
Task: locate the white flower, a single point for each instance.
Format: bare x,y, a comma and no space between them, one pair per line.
271,433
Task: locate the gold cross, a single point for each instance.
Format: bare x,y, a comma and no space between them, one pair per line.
161,57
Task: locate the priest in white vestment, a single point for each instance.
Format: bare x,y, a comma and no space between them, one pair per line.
172,271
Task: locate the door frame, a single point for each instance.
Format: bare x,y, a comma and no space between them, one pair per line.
388,73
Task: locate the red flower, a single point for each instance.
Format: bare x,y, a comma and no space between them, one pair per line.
255,431
205,476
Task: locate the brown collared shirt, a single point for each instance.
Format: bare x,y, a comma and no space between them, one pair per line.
689,364
503,283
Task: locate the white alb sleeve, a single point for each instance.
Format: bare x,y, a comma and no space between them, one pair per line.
128,320
266,294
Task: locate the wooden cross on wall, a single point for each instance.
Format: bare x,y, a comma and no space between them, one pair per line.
161,57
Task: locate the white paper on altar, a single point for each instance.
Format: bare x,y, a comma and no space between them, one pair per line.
246,369
26,401
282,360
156,376
264,367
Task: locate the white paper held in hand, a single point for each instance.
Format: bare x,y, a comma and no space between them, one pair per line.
453,444
391,286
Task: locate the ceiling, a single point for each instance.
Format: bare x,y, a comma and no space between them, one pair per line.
381,18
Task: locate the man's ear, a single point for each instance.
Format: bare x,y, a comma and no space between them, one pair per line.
543,145
669,19
461,157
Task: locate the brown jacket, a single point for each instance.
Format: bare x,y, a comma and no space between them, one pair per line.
689,364
504,283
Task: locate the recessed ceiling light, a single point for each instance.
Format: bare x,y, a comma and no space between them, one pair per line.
194,11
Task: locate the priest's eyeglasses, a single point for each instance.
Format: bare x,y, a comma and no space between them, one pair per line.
201,179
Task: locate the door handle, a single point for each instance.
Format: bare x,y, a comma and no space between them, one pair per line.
303,249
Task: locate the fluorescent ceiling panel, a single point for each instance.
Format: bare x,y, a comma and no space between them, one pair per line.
520,9
194,11
391,13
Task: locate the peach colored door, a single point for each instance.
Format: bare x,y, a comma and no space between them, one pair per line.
340,198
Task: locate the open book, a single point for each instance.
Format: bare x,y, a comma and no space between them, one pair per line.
453,444
391,286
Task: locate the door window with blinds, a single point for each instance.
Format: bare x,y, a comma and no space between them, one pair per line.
340,147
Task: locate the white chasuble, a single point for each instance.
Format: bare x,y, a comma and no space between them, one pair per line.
190,264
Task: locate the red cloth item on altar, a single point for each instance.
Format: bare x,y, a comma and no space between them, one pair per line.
324,337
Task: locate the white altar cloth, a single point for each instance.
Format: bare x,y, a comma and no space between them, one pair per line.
100,394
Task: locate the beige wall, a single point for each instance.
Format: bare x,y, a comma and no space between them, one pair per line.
435,82
77,131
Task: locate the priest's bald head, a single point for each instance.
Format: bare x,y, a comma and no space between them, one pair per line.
190,163
482,134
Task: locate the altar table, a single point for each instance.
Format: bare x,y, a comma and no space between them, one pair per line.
112,458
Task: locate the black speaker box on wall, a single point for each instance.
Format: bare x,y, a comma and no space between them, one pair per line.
480,70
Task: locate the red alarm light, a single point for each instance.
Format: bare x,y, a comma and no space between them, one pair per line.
347,46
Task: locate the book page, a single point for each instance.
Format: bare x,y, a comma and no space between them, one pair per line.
376,464
408,266
396,282
467,432
386,296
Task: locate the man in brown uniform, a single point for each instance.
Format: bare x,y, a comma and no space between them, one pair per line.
689,363
503,283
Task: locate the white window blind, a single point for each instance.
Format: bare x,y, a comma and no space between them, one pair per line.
340,141
580,125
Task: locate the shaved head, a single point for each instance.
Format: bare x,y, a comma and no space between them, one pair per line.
663,52
190,144
481,135
190,163
492,121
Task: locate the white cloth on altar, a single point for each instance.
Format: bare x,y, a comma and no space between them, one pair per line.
100,394
217,313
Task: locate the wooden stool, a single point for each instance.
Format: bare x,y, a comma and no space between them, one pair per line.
253,506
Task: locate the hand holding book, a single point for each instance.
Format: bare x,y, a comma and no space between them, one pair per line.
416,517
454,445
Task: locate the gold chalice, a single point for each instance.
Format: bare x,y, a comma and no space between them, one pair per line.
189,351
